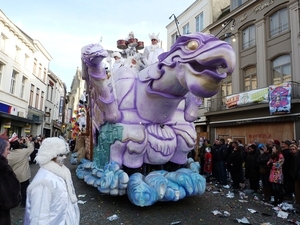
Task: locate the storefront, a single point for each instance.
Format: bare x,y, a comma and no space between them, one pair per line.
254,123
15,124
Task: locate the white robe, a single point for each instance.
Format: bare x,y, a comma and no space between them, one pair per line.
151,53
48,201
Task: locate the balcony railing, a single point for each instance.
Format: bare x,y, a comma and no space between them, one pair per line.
218,104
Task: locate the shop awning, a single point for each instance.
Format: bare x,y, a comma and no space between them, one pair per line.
13,117
266,119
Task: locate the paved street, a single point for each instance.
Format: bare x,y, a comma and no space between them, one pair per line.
194,210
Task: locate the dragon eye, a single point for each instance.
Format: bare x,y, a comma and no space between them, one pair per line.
192,45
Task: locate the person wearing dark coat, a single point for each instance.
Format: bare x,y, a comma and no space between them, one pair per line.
288,185
295,173
264,170
10,196
252,167
234,166
221,158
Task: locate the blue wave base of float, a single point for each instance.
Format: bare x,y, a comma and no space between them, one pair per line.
144,190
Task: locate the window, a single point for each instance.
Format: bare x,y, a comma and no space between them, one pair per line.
42,100
186,29
34,66
249,37
229,38
50,91
199,22
13,82
281,69
1,71
31,95
250,79
173,38
45,75
279,22
40,71
37,98
17,55
226,88
24,79
236,3
26,61
3,39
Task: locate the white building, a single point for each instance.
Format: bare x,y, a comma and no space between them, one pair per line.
24,66
195,18
54,106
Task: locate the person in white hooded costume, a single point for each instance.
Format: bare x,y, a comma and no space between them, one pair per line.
152,52
119,61
51,197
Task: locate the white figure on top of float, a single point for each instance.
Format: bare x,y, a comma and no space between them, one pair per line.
119,62
152,51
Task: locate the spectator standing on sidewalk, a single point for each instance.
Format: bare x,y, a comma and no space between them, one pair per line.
37,144
234,165
222,157
252,167
51,198
18,160
288,185
295,173
9,185
276,176
207,163
264,170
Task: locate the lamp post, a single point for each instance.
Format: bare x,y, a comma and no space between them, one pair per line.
176,22
225,24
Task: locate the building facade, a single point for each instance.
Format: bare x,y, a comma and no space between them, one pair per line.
265,36
56,99
196,18
24,83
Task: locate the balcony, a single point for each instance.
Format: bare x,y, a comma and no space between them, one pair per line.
219,103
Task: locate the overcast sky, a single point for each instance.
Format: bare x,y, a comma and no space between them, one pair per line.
64,27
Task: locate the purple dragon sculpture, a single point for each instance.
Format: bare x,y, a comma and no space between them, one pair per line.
146,117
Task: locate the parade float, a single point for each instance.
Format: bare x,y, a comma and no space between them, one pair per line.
142,120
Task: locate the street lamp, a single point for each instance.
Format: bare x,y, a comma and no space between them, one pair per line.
176,22
225,24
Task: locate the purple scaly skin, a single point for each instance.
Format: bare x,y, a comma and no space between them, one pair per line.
157,108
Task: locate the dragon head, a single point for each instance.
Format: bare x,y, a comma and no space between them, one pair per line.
197,58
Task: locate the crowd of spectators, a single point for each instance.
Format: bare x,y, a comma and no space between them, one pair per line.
268,169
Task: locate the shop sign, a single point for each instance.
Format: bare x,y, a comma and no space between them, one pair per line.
247,98
27,128
35,118
7,124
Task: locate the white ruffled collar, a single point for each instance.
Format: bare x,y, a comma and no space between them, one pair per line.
64,173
